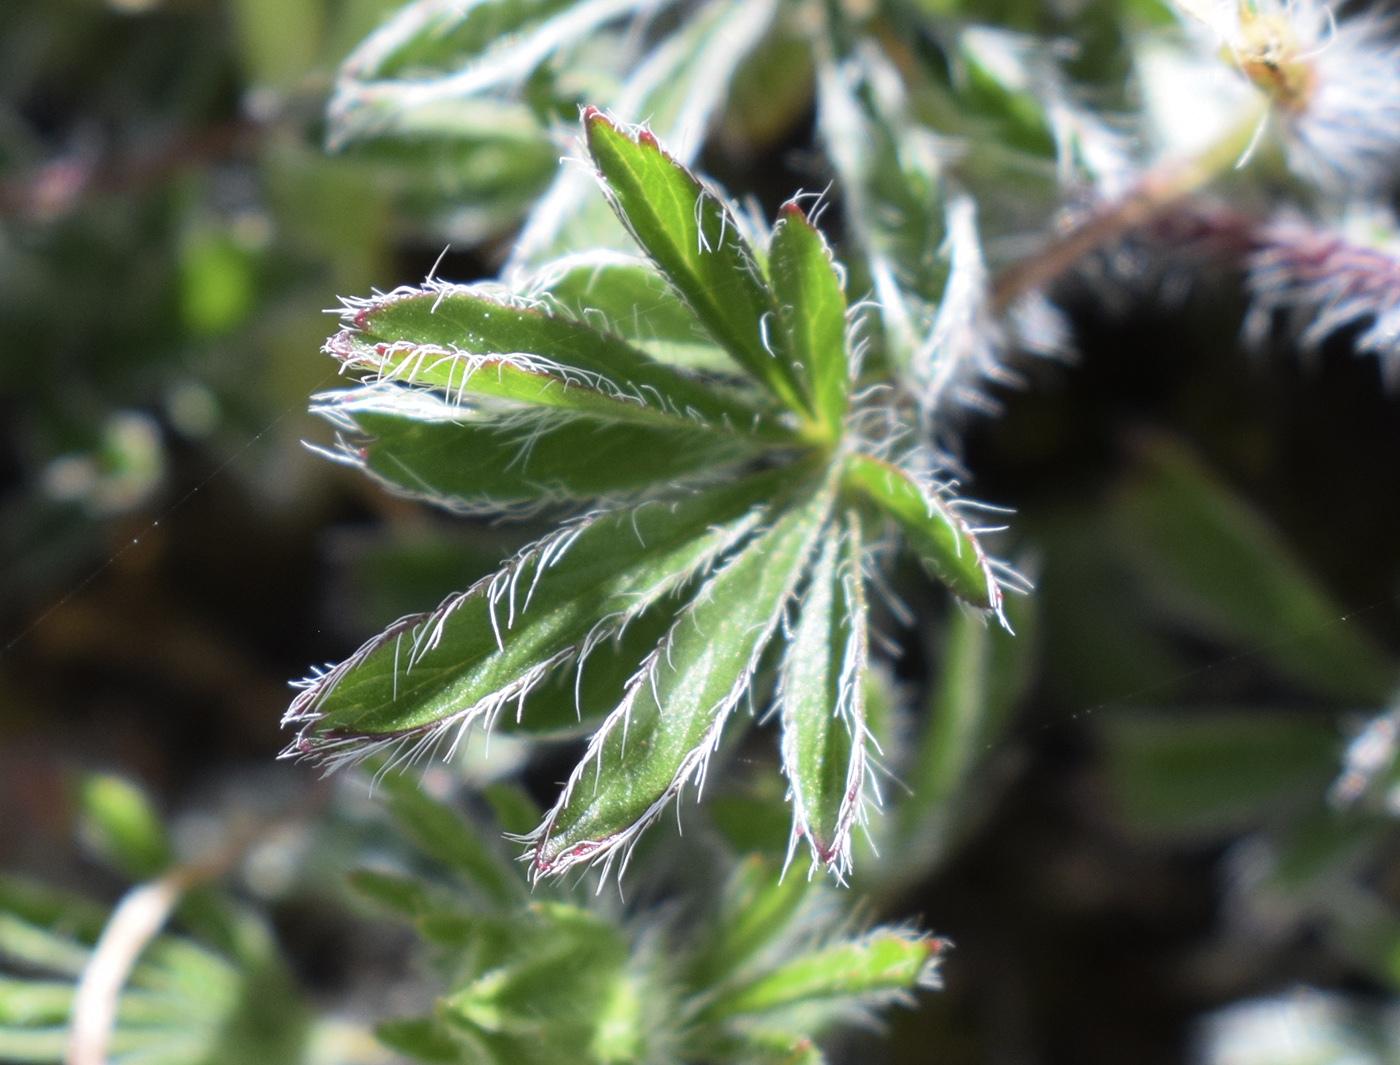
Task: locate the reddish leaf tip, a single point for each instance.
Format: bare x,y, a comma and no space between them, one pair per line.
793,210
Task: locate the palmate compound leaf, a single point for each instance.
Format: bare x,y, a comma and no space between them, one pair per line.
429,678
769,971
480,399
692,236
671,719
821,702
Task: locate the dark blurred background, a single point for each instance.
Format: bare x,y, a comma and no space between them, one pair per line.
171,555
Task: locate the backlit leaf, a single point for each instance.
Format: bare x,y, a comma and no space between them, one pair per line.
626,295
430,336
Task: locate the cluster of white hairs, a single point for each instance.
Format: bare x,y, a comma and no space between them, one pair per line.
1326,281
1331,85
1368,765
1345,134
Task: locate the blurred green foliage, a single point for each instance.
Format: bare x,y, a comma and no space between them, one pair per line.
1194,684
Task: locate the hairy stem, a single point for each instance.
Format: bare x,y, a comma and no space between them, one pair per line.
1158,189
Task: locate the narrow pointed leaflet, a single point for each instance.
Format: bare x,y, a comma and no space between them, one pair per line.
490,459
627,296
940,538
669,723
692,237
430,677
813,310
822,706
467,341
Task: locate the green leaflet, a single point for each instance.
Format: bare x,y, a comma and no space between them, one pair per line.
888,166
422,1039
690,234
883,963
38,948
822,705
119,823
1003,86
1213,561
430,675
1210,775
574,699
445,36
426,336
625,295
441,833
471,165
470,461
813,310
34,1002
758,906
938,536
669,723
